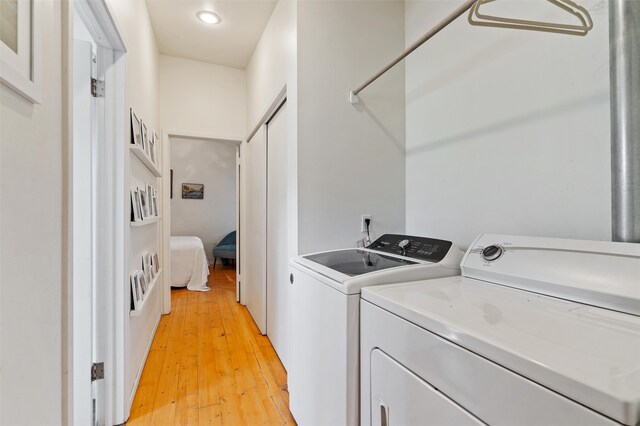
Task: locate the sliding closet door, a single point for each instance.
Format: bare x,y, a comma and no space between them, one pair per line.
277,262
255,238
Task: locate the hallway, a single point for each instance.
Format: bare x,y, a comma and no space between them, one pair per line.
208,364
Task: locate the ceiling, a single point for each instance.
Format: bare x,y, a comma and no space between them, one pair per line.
180,33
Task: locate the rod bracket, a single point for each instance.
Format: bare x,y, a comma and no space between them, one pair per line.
353,98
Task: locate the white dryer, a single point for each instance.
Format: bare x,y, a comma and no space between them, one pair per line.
536,331
323,370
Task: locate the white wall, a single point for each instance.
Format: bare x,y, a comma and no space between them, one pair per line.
351,159
212,163
273,63
507,131
321,50
132,20
201,98
272,67
31,242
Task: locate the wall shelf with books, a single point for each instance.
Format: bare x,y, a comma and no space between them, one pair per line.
150,288
142,278
145,205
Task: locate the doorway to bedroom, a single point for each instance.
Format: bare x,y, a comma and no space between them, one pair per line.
203,191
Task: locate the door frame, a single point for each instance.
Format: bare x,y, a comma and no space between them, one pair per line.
165,251
239,207
110,223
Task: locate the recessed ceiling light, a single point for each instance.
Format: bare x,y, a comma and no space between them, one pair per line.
209,17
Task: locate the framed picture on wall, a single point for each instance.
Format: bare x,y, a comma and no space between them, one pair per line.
155,202
143,280
136,129
145,267
135,206
152,211
152,268
150,200
144,202
135,290
152,147
193,191
149,265
21,47
156,262
145,140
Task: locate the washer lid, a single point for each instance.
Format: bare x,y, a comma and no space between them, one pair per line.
353,262
588,354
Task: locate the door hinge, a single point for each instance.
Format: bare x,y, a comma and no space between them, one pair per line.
97,371
97,88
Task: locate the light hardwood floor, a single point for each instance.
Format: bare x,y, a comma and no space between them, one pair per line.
208,364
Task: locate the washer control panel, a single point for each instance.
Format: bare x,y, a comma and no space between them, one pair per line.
416,247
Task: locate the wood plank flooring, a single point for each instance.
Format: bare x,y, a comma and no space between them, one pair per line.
209,364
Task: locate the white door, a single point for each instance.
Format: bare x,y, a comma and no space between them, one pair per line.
87,394
254,239
95,219
277,262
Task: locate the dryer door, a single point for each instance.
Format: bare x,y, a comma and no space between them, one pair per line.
399,397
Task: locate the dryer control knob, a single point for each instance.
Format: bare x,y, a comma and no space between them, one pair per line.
404,244
492,253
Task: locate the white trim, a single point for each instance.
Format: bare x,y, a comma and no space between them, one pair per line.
100,24
165,249
111,223
117,300
271,110
203,136
240,236
67,138
239,207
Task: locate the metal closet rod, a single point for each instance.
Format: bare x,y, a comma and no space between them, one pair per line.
476,18
353,95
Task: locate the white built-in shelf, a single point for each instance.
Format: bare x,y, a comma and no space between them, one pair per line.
145,222
142,156
138,312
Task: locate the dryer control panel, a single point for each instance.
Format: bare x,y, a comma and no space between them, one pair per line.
421,248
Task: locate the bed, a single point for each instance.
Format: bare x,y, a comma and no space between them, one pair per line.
189,266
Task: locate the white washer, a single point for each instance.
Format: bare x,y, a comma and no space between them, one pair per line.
535,331
323,365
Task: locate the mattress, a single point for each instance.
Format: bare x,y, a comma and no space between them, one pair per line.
189,266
